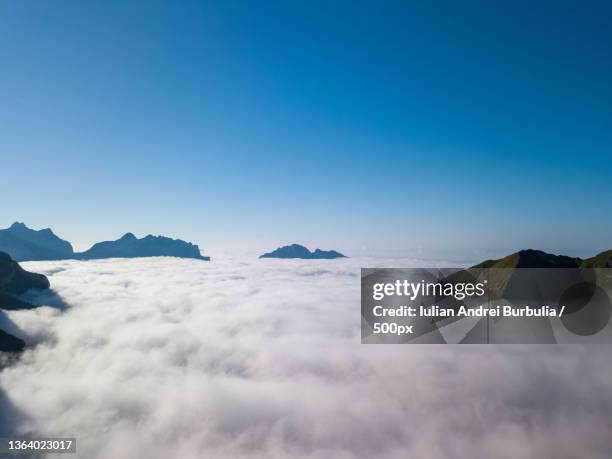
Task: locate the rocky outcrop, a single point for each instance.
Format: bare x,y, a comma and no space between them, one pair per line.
15,280
299,251
10,343
25,244
129,246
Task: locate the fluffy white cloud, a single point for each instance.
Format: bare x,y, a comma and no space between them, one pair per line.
160,358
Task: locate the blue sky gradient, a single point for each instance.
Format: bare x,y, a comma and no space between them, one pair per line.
366,127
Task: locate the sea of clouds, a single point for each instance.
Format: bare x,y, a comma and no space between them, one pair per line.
245,358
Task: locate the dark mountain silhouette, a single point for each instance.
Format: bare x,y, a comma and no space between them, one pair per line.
531,259
538,259
15,280
509,284
25,244
506,281
299,251
129,246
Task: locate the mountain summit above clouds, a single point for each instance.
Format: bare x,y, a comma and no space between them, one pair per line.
129,246
545,279
537,259
25,244
532,259
299,251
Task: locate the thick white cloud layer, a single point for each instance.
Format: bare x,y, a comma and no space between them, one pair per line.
161,358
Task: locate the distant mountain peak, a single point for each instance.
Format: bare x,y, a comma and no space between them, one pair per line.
22,227
299,251
129,246
24,243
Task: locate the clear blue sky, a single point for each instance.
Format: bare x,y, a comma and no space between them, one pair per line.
390,126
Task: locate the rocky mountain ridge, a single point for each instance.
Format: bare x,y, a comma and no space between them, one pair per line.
299,251
26,244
